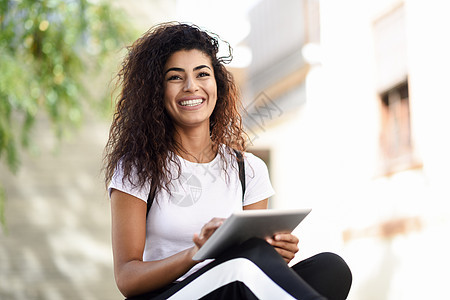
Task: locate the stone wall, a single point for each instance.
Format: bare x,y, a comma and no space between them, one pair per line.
57,239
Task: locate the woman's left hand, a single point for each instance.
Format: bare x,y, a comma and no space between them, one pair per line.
286,244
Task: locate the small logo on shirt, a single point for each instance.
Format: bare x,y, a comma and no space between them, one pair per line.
188,190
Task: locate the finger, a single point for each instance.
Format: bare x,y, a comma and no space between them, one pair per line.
215,221
270,240
197,241
286,241
287,237
286,255
209,228
213,224
284,245
286,250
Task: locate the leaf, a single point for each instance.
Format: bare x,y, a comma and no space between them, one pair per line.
46,49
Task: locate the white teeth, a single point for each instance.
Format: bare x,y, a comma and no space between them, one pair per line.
193,102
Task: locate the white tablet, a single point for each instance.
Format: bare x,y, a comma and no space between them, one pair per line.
246,224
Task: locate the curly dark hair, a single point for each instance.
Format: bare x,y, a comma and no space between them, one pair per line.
141,137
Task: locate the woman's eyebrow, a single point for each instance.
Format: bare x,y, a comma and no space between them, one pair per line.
183,70
175,69
201,67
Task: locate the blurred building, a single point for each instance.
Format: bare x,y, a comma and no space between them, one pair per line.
347,102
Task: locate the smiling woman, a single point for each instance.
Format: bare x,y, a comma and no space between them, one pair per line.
177,139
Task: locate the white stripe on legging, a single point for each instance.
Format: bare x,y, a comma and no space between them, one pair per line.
238,269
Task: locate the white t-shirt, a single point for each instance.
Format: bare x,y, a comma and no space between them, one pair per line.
202,192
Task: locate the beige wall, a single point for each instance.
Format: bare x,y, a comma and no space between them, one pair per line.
324,155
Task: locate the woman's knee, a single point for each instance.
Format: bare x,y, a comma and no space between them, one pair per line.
337,263
334,265
328,273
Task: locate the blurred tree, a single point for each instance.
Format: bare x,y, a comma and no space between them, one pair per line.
45,49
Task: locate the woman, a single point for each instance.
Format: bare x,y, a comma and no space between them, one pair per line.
173,143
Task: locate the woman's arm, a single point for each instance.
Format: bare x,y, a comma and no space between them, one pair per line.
258,205
133,276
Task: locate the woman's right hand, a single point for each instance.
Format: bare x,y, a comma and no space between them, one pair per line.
207,230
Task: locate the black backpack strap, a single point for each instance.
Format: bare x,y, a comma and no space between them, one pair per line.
240,161
151,196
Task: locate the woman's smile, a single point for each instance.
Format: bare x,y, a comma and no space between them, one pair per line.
193,103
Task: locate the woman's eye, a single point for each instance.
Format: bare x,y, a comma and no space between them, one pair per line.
203,74
173,77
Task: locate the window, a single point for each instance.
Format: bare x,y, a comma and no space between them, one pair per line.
395,135
396,143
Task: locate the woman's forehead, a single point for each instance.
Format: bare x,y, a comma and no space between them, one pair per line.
188,58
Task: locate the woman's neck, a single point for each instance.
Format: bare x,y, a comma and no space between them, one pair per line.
196,144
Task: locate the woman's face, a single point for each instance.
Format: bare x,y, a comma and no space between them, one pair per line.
190,89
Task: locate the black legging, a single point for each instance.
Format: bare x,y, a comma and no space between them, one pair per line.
254,270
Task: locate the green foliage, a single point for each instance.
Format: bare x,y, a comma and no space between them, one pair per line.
46,47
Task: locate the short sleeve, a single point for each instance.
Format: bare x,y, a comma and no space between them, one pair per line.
126,185
257,182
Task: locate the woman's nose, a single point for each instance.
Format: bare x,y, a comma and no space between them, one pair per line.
190,85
